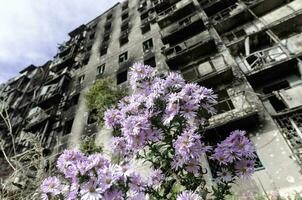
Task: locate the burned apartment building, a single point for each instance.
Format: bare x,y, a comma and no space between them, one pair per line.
248,51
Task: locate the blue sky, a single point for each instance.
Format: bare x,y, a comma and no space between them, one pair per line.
30,30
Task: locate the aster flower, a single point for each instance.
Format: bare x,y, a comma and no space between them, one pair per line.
69,158
112,117
188,195
156,178
91,191
245,168
51,186
113,194
193,166
136,182
224,176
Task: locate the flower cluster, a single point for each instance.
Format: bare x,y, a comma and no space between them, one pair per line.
235,152
155,106
94,177
161,122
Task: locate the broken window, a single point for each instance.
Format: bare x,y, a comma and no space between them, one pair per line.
123,57
92,117
109,16
104,49
151,62
121,77
101,69
81,79
224,102
125,16
148,45
145,27
125,5
68,127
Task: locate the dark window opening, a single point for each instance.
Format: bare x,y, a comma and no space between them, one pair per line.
123,57
109,16
145,28
125,16
91,36
148,45
124,27
276,87
106,38
101,69
151,62
68,127
104,50
277,103
81,79
93,117
74,100
144,16
121,77
86,60
125,5
108,26
224,102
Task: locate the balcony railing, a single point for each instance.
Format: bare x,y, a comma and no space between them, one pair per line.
182,28
238,106
201,45
263,59
175,12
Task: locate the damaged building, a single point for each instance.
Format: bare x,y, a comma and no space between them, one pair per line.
248,51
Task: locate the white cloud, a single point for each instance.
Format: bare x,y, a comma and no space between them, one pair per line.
30,30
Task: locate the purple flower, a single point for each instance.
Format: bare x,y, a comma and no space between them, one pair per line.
69,158
97,161
156,179
224,176
51,186
136,183
91,191
193,166
175,80
245,168
188,195
112,118
113,194
189,146
235,147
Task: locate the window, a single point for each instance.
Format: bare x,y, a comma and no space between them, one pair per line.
106,37
151,62
147,45
123,57
92,117
68,127
144,16
224,102
108,26
125,5
125,16
91,36
104,50
81,79
101,69
145,27
125,26
109,16
121,77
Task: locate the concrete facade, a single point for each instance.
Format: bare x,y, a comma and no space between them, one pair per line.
249,51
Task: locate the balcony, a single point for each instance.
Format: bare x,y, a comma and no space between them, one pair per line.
182,29
197,47
161,5
211,72
262,60
234,108
214,6
231,17
175,13
37,117
51,94
63,59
